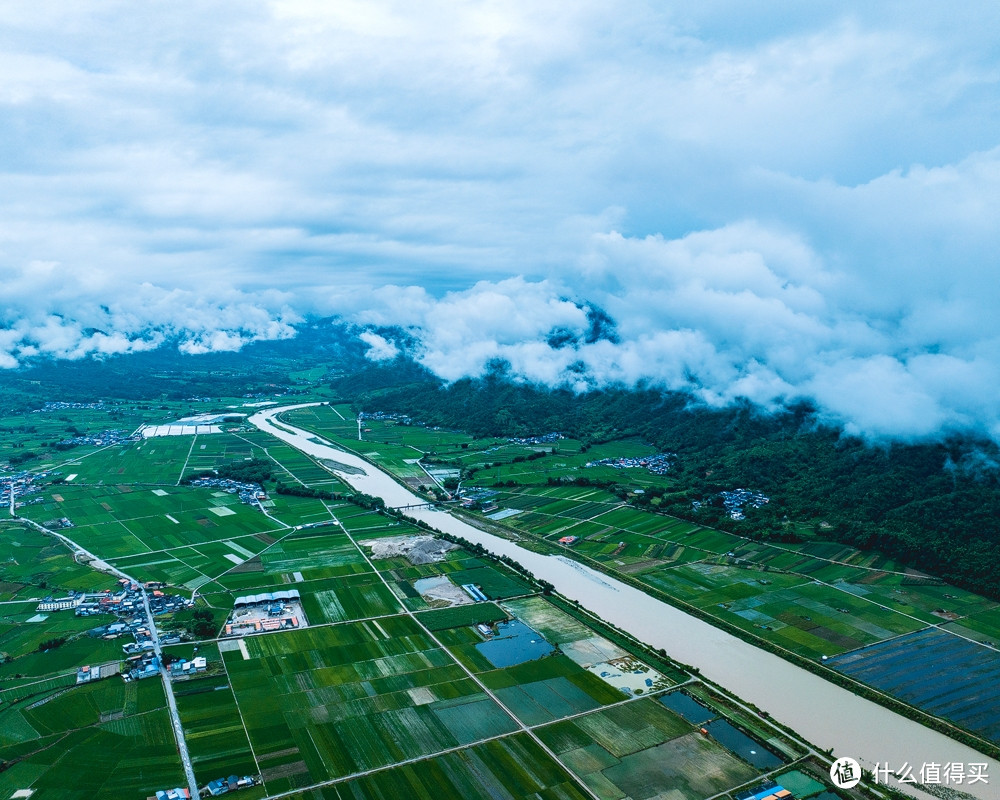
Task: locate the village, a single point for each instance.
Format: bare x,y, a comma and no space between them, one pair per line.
382,416
252,494
735,500
61,405
102,439
545,438
126,602
738,499
18,484
658,464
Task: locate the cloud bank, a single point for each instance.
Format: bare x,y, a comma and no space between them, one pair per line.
740,312
770,203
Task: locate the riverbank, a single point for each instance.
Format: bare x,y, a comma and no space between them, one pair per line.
828,715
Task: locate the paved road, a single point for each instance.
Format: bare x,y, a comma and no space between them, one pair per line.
175,719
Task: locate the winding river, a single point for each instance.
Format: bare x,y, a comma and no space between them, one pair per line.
825,714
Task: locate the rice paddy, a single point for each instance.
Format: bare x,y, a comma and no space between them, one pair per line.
642,750
816,599
106,739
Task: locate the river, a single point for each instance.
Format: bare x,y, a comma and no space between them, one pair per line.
826,714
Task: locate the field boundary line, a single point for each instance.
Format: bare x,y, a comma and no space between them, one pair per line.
374,770
482,686
186,460
927,625
246,732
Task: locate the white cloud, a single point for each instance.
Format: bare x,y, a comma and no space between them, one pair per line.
768,203
379,348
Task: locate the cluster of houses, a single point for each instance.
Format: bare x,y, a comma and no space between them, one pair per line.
233,783
738,499
658,464
126,603
183,667
18,485
87,674
60,522
101,439
402,419
60,405
545,438
146,664
278,391
250,493
219,786
142,665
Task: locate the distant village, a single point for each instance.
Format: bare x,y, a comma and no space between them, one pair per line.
404,419
102,439
383,416
252,494
738,499
59,405
735,500
658,464
545,438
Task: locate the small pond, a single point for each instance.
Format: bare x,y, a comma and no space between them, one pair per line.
514,643
746,748
687,707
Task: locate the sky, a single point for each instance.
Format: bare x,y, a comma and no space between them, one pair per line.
767,201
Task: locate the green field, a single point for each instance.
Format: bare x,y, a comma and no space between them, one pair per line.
213,728
106,739
378,677
815,598
641,750
327,702
512,767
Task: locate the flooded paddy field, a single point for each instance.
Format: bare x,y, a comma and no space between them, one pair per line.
937,671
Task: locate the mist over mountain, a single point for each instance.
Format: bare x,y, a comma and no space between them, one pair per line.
772,206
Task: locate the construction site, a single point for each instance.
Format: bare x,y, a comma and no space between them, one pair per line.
415,549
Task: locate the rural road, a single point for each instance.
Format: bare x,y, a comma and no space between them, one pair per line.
175,718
